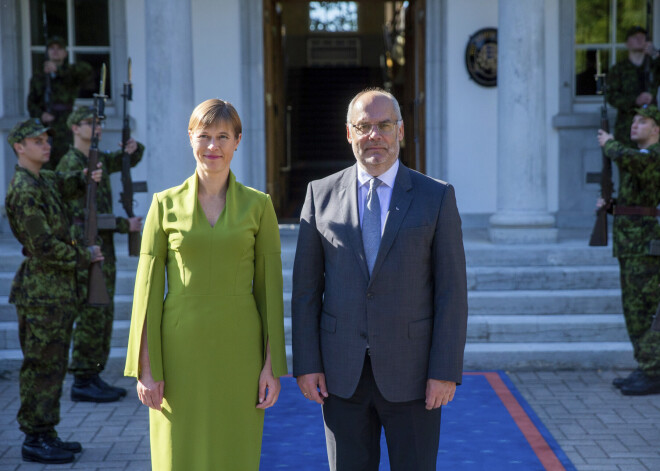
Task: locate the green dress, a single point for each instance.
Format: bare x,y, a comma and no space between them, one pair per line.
207,338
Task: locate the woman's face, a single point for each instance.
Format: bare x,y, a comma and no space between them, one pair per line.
214,147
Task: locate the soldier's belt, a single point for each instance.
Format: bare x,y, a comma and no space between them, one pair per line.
636,211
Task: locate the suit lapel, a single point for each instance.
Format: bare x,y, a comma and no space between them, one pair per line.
399,204
349,208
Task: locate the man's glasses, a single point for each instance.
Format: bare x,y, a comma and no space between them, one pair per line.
384,127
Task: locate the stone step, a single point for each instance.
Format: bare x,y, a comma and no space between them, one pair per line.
494,356
522,302
548,356
478,278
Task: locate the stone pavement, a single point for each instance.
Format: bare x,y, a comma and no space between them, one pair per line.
598,429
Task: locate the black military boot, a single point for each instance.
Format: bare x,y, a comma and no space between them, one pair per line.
36,448
619,382
642,386
103,385
53,440
85,389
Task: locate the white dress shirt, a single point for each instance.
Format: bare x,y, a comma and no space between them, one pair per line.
384,191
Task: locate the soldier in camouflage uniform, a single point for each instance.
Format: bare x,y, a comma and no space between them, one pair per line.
635,225
629,86
44,288
93,328
65,83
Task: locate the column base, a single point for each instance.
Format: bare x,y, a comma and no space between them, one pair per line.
522,228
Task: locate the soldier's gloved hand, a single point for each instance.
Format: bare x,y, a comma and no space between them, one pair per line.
603,137
95,253
134,224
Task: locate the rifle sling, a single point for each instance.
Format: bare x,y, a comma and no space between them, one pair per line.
636,211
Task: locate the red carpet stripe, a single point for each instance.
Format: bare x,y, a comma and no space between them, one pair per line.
541,448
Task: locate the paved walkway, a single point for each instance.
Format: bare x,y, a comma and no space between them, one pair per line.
598,429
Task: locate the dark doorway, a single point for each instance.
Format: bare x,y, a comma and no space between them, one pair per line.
318,55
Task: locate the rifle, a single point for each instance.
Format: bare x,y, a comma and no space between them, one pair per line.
128,185
599,232
97,293
48,89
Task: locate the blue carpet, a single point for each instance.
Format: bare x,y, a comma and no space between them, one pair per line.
488,426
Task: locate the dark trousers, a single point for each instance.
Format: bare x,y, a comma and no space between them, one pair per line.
353,428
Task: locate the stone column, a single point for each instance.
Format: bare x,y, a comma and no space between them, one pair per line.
522,202
170,97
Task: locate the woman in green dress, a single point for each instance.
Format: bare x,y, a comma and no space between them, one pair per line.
208,355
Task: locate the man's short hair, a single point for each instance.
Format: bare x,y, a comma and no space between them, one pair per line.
80,114
634,30
395,103
56,40
29,128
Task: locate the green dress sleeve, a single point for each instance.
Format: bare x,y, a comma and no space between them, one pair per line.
268,286
148,295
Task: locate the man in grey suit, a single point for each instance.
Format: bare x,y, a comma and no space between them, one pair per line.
379,299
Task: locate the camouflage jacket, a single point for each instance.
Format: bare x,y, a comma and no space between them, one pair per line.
624,84
639,185
75,160
37,216
65,88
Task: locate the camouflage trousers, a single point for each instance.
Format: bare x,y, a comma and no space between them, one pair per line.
93,330
45,334
640,277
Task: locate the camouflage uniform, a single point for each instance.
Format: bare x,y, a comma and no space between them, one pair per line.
93,331
65,88
625,82
639,185
44,289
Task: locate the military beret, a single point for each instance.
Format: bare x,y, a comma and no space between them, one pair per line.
634,30
650,111
80,114
56,40
29,128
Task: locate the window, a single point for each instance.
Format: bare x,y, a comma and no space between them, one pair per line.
600,36
333,17
84,25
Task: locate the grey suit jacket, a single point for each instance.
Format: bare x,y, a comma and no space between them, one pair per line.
411,313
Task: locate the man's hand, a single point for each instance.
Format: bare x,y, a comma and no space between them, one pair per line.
651,50
131,146
95,254
96,174
134,224
603,137
439,393
46,117
50,67
644,98
312,386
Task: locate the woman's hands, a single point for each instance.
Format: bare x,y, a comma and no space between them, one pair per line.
149,391
269,385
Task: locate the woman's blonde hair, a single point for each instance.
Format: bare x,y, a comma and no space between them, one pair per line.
215,111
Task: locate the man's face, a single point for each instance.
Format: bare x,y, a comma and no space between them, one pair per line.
374,133
34,151
84,129
636,42
56,53
643,131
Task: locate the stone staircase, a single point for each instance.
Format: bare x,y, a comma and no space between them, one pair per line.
551,306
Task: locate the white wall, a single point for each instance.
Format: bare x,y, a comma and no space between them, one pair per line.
217,60
552,100
471,112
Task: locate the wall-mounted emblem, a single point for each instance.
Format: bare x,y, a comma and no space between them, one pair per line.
481,57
